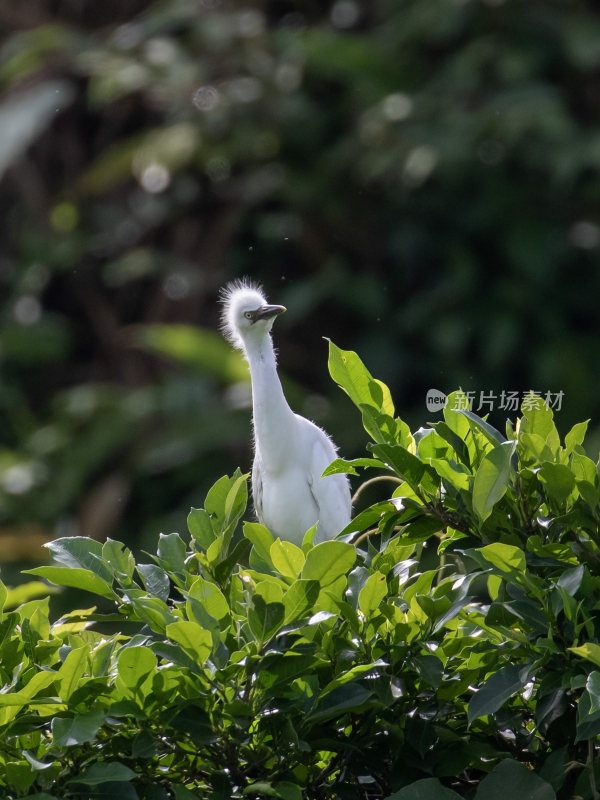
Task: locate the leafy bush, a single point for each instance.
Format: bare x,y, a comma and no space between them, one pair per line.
445,645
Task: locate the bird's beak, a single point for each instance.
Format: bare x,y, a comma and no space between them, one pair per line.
266,312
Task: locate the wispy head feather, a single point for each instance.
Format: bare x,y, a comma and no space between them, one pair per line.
236,295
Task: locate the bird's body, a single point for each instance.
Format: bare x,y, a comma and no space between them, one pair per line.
290,452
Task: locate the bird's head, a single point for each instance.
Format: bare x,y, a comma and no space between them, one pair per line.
246,312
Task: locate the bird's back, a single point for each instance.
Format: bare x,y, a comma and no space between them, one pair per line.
291,497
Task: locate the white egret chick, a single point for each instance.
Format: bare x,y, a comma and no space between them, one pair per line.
290,452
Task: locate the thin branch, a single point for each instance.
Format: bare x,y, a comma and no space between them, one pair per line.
370,482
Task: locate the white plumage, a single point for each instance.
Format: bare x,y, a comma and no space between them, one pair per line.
290,452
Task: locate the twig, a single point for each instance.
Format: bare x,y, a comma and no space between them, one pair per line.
371,481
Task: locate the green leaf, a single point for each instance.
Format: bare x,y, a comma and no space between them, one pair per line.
19,775
152,611
119,558
349,697
81,552
226,501
223,568
200,527
340,465
75,578
505,557
288,791
583,468
459,446
171,552
104,772
282,789
287,558
593,688
71,671
430,445
7,627
383,428
134,666
265,619
36,764
261,538
534,448
39,682
300,598
183,793
425,789
457,478
144,745
407,466
308,540
571,579
576,435
538,418
491,479
41,796
195,640
399,460
348,371
80,729
211,597
492,435
155,580
430,668
512,779
588,720
237,499
590,651
327,561
499,688
372,593
558,480
260,787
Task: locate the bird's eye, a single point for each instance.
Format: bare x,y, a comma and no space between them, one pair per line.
248,314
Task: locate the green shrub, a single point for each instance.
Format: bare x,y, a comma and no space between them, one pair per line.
453,652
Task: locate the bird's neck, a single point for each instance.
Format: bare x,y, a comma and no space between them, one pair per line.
271,412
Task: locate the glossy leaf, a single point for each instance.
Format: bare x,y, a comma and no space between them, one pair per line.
76,578
105,771
196,641
505,557
590,651
327,561
499,688
372,593
492,479
77,730
424,789
287,558
171,551
265,619
512,779
347,370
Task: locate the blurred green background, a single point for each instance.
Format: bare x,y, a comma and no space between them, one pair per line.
417,180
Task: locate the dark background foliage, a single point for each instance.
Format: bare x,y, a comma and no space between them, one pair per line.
416,180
